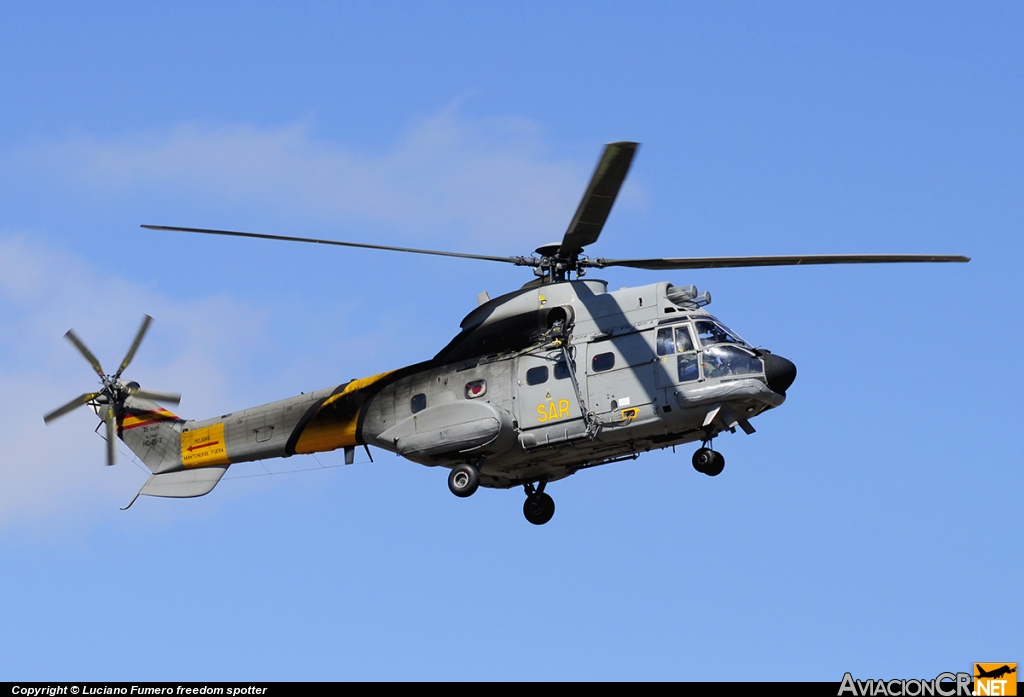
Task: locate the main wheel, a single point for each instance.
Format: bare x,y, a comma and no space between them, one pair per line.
463,480
716,466
539,508
702,459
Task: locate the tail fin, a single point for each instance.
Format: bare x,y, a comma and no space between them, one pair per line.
154,435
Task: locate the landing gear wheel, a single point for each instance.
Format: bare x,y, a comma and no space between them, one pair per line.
716,466
463,480
702,459
707,461
539,508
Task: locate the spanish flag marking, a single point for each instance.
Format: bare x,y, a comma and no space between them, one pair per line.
142,418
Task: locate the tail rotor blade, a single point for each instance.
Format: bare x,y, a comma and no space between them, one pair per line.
70,406
168,397
108,418
73,338
135,344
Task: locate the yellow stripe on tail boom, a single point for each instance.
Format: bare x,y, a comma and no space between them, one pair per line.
335,423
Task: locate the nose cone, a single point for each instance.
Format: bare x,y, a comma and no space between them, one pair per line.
779,372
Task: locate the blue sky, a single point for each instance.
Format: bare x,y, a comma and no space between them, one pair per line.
867,526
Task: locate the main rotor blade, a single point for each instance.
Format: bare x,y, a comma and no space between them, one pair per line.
169,397
518,261
108,418
797,260
146,319
73,338
70,406
599,198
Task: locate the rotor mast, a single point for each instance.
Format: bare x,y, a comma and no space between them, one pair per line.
558,259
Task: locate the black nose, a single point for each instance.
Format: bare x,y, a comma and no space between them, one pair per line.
779,372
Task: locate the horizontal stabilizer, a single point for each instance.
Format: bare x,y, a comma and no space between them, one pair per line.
183,484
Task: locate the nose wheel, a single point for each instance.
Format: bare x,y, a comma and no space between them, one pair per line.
709,462
538,507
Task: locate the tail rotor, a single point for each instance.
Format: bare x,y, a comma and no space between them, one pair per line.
109,401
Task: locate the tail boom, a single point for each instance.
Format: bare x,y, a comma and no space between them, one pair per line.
188,458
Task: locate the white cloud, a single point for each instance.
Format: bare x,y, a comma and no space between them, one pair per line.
475,179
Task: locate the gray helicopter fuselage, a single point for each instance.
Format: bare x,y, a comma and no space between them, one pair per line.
540,383
596,376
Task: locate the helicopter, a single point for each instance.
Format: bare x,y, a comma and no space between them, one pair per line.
558,376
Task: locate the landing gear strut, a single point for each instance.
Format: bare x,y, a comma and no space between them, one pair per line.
539,507
464,480
707,461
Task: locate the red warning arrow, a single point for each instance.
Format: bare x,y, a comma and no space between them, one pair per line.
204,445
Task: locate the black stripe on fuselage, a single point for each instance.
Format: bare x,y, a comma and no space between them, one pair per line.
293,439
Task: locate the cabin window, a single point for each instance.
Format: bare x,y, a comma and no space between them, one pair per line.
561,370
603,361
418,403
537,376
475,389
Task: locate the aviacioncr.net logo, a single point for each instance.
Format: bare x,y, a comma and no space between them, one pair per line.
943,685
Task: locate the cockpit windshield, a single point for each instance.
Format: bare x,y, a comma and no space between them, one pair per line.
711,333
728,361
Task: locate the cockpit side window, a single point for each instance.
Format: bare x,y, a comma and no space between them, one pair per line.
683,340
664,341
687,361
677,340
688,367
